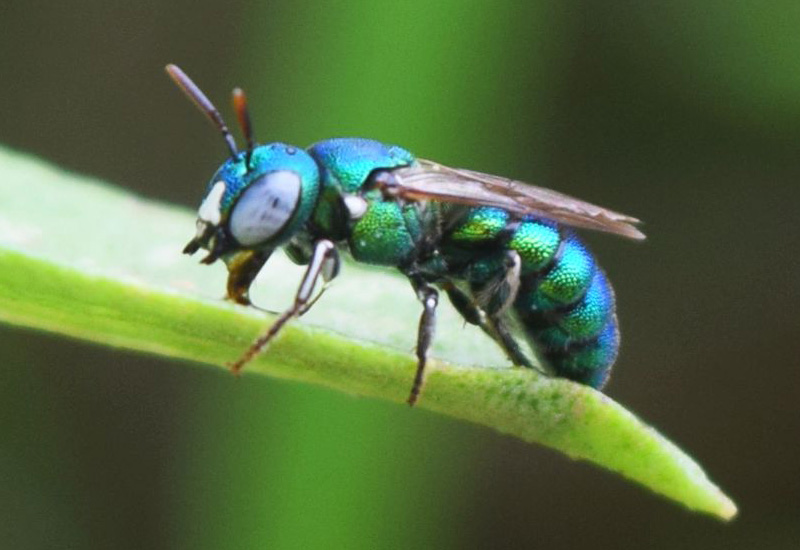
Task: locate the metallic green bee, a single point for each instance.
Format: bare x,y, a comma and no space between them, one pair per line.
502,250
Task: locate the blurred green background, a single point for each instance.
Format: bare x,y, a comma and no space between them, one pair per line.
683,113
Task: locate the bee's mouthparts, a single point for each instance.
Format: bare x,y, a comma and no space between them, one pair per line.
192,247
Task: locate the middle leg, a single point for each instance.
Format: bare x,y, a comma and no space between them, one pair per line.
427,324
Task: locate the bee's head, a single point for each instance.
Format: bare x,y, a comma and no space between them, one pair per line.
258,198
258,204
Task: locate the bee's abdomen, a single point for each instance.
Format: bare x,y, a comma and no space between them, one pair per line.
565,303
567,309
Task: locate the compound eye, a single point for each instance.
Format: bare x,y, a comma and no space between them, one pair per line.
265,207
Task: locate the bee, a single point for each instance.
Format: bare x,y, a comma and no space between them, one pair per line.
505,252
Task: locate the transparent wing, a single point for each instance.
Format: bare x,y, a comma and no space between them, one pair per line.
427,180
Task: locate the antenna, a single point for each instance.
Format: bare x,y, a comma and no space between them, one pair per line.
203,103
243,114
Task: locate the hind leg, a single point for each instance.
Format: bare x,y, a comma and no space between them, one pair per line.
493,326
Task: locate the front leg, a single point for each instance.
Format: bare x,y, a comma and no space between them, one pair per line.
324,262
242,270
427,324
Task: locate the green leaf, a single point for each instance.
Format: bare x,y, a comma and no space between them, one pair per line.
90,261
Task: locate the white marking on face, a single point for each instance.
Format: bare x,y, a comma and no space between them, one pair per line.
210,209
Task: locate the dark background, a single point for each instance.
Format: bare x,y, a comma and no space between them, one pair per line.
683,113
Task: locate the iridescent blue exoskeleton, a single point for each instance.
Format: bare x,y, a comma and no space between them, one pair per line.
503,251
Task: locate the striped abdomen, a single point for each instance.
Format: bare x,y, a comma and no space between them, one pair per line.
564,303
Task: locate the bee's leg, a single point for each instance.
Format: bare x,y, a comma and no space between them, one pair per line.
495,298
330,269
427,323
493,326
471,313
498,293
242,269
325,262
502,335
489,302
